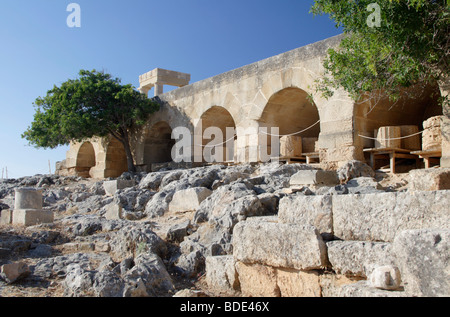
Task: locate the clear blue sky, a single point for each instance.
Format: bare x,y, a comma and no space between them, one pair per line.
128,38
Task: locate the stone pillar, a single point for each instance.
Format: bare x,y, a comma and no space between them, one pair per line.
159,90
28,208
144,90
444,86
28,198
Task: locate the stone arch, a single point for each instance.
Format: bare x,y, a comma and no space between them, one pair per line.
292,111
86,160
219,117
116,159
297,77
158,144
168,113
374,111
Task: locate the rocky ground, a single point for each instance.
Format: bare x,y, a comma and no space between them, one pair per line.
153,250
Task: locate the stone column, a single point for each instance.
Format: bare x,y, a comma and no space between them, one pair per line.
28,198
159,89
28,208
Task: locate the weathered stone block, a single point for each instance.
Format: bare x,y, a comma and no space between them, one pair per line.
294,283
112,186
423,257
280,245
363,289
28,198
388,137
432,134
31,217
314,177
429,179
188,199
290,146
14,271
311,210
178,231
331,284
380,217
358,258
257,280
386,277
221,273
113,212
6,217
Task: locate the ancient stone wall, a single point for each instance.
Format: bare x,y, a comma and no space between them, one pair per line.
275,92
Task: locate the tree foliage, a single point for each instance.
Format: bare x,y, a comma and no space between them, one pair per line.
409,47
95,104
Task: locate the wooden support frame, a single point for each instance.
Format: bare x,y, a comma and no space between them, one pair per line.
390,153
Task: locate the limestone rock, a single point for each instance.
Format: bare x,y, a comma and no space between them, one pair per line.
359,258
363,185
314,177
152,180
380,217
279,245
220,199
150,269
257,280
113,211
176,233
221,273
363,289
188,199
385,277
107,284
295,283
14,272
429,179
6,217
313,210
131,240
354,169
190,293
77,282
331,284
423,257
432,135
112,186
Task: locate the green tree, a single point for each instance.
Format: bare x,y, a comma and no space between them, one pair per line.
410,45
93,105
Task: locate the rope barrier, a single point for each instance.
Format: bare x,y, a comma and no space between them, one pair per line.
281,135
391,139
216,145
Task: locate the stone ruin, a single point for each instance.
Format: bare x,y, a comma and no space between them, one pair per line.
326,228
28,210
277,92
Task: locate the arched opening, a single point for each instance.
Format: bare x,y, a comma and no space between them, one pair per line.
116,159
291,111
382,124
218,117
158,144
85,160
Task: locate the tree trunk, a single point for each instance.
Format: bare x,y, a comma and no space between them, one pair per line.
130,161
126,145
